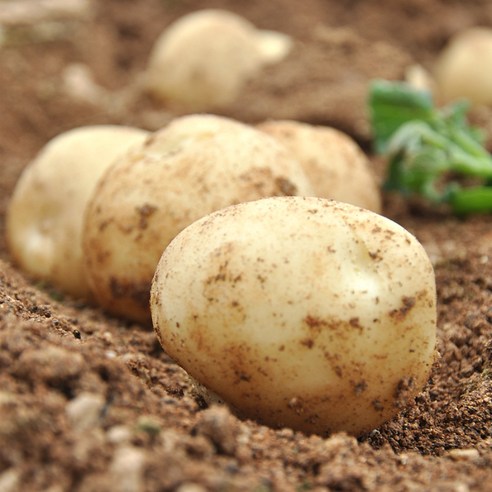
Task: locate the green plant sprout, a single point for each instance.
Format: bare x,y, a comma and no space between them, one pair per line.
432,152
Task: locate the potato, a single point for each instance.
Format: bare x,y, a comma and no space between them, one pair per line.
44,219
193,166
333,162
203,59
299,311
464,68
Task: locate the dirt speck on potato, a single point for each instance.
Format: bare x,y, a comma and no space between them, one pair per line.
407,303
286,187
145,211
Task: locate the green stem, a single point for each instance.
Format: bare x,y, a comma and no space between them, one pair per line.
472,200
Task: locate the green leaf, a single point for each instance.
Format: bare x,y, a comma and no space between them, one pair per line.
430,150
391,104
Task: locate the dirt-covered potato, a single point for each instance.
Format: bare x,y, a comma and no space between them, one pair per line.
195,165
45,215
300,312
464,67
202,60
334,163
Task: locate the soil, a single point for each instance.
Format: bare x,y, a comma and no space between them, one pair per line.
92,403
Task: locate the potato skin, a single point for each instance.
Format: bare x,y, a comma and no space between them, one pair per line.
463,69
194,166
300,312
333,162
45,215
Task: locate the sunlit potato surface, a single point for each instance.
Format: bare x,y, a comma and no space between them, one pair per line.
45,215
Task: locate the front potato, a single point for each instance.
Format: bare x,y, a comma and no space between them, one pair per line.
195,165
300,312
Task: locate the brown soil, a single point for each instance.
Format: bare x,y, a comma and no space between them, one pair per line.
91,403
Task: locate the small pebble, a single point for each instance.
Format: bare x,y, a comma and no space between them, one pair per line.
9,480
464,454
127,469
191,487
220,427
119,434
85,410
